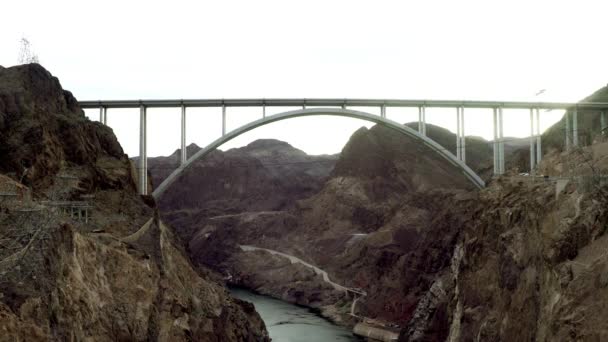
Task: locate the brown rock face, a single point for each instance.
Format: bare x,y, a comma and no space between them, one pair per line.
118,276
533,258
43,131
266,175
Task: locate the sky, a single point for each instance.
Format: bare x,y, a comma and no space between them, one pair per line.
452,50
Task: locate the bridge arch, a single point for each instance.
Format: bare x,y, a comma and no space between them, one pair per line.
467,171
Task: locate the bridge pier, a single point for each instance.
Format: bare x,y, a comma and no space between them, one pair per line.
539,154
223,120
422,120
463,148
495,141
532,141
575,127
103,115
383,111
184,153
143,158
603,123
567,131
458,133
499,144
460,140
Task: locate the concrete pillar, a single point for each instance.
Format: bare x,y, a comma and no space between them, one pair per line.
458,133
603,123
422,120
495,142
383,111
103,115
463,148
263,111
567,130
86,215
223,120
539,151
501,143
532,140
575,127
184,154
143,162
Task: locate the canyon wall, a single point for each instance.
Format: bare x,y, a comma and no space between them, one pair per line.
82,256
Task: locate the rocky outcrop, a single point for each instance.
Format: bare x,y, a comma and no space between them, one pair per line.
112,290
266,175
534,257
119,275
43,131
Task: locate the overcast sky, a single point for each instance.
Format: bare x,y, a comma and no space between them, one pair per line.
483,50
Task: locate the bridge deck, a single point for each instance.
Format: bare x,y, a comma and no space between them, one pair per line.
338,103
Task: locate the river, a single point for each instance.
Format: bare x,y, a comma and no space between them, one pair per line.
291,323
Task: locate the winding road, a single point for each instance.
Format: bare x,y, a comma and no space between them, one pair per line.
294,260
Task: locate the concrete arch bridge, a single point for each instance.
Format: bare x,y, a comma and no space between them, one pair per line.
339,107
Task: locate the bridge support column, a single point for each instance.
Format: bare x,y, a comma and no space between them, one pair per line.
495,142
223,120
463,148
460,142
264,111
143,156
458,133
539,151
422,120
184,152
501,143
603,126
103,115
575,127
532,141
383,111
567,130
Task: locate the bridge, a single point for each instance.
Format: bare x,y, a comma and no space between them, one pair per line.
339,107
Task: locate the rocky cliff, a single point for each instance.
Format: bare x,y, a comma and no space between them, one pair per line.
82,256
366,225
531,260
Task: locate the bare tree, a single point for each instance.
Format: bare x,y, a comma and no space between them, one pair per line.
26,55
